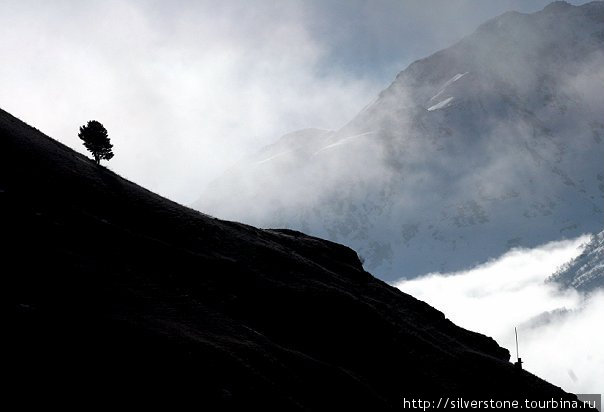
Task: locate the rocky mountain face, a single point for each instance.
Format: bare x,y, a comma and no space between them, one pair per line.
586,271
495,142
113,295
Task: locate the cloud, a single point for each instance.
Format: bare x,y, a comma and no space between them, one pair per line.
188,88
184,90
560,331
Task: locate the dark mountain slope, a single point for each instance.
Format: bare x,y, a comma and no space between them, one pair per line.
112,290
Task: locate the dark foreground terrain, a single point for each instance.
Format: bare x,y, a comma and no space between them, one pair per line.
113,293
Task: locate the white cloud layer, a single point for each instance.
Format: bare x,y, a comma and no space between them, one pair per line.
560,331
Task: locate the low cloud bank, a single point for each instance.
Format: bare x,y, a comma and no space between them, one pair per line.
560,331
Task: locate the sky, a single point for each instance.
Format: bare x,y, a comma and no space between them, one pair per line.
188,88
560,332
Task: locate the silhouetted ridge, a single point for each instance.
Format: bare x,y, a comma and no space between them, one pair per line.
112,291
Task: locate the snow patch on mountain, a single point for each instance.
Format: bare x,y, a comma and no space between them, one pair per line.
450,81
342,141
441,105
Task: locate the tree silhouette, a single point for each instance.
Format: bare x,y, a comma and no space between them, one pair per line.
94,136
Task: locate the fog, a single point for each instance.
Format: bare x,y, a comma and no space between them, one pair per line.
559,331
465,155
186,89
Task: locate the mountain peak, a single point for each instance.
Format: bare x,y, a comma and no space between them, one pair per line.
557,6
470,151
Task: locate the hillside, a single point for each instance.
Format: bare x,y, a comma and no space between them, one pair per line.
112,292
493,143
586,271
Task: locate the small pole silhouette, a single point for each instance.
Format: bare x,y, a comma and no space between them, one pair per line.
518,363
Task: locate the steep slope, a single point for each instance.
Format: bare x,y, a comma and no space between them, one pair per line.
493,143
586,271
112,292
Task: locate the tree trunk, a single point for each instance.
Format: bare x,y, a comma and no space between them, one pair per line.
97,159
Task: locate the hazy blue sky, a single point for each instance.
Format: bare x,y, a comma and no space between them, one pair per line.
186,88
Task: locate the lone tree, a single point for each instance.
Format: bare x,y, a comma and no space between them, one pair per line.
94,136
